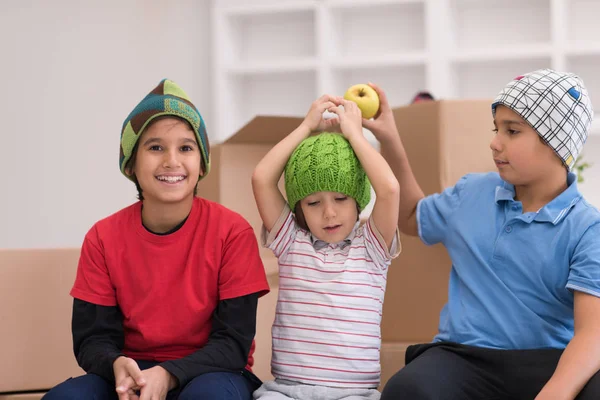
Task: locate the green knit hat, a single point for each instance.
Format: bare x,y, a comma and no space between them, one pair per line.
165,99
326,163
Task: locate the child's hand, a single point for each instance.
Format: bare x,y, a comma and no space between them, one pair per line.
160,381
314,120
350,117
128,378
383,126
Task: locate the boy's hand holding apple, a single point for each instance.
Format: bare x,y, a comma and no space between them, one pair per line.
383,125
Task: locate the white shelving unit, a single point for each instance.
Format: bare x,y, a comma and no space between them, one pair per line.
277,56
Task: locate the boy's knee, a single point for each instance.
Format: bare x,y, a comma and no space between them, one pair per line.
591,391
217,386
406,385
83,387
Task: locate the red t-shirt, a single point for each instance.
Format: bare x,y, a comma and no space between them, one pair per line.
167,287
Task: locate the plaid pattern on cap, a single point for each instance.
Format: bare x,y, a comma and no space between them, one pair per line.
165,99
556,105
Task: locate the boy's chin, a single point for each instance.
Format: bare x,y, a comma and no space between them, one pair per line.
170,198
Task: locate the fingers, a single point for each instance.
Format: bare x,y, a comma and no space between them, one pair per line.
347,107
325,106
126,394
368,123
382,96
135,372
126,389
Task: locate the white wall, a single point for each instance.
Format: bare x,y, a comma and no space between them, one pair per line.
71,72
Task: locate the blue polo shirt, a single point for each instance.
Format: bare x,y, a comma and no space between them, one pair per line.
513,273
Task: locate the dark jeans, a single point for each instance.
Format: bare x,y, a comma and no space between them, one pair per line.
452,371
212,386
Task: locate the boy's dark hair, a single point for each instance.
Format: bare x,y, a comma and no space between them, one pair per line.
131,161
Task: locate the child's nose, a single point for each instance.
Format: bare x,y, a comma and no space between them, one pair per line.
496,144
329,211
171,159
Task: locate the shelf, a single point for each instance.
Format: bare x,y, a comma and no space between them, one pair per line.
246,8
399,83
288,65
482,80
521,52
388,60
367,3
380,28
287,94
587,68
481,24
269,37
582,20
584,48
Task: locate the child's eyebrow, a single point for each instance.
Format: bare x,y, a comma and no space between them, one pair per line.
158,140
511,121
152,140
188,140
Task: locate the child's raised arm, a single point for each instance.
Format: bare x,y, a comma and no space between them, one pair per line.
269,200
385,184
385,130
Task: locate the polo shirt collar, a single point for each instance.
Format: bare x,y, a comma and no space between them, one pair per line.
555,210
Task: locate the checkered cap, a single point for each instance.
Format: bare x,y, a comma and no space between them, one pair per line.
556,105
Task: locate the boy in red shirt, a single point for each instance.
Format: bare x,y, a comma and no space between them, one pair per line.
166,291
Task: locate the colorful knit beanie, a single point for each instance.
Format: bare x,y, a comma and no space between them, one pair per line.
166,99
556,105
326,163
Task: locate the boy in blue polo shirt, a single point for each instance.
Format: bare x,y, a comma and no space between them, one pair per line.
523,314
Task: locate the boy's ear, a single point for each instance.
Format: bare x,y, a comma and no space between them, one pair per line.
129,170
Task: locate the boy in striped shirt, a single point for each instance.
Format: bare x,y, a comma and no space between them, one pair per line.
332,269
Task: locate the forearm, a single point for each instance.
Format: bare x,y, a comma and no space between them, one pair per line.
578,363
269,169
393,152
98,358
377,169
98,337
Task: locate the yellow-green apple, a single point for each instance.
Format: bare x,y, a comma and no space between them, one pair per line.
366,99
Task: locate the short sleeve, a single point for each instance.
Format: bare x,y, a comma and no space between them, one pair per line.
242,271
92,282
434,212
584,274
376,246
283,233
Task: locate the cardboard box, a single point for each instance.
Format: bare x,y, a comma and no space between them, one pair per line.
24,396
232,164
35,339
444,140
392,360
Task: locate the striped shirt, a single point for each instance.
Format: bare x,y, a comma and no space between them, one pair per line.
327,323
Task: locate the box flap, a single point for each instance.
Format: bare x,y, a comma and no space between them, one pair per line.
265,129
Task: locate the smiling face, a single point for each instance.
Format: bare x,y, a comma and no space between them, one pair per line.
330,216
521,156
167,162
